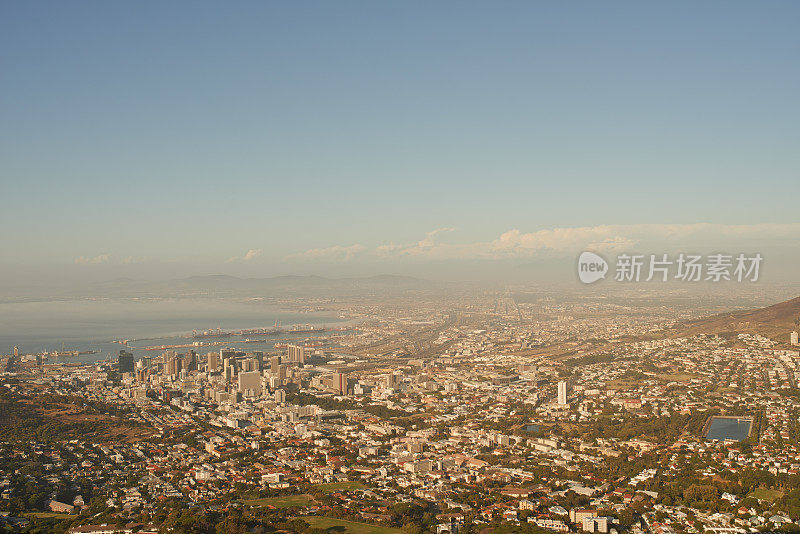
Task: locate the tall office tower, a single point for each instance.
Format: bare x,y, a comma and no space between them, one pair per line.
249,365
340,383
280,396
228,357
174,366
282,373
191,361
213,362
297,353
228,372
229,362
167,355
16,352
250,383
274,365
792,340
125,361
562,393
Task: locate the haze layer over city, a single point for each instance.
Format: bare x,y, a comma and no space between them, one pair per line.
399,267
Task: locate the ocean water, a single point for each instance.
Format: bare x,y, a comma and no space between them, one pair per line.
94,325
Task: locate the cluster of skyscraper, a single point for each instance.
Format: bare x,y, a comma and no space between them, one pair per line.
230,373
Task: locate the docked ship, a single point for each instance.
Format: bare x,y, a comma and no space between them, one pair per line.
260,331
306,329
69,353
205,334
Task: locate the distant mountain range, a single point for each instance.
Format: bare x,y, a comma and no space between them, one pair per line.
774,321
224,285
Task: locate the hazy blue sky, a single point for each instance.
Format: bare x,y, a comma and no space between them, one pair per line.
150,137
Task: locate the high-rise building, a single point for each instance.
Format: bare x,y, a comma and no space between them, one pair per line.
249,365
340,383
562,393
282,373
792,339
228,357
174,366
391,380
213,362
229,362
16,352
125,361
274,365
250,383
297,353
191,361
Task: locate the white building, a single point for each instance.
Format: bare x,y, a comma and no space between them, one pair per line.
562,393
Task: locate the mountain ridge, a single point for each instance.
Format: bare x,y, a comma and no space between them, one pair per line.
775,321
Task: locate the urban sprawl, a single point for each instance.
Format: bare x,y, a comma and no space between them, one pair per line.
438,417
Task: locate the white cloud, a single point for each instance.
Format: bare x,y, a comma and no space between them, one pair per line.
250,255
567,240
334,253
516,243
612,244
428,246
96,260
430,237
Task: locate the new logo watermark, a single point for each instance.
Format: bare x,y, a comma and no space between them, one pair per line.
591,267
662,267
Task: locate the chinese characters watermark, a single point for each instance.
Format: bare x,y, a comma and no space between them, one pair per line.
663,267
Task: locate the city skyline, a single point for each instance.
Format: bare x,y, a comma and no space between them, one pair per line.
304,267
